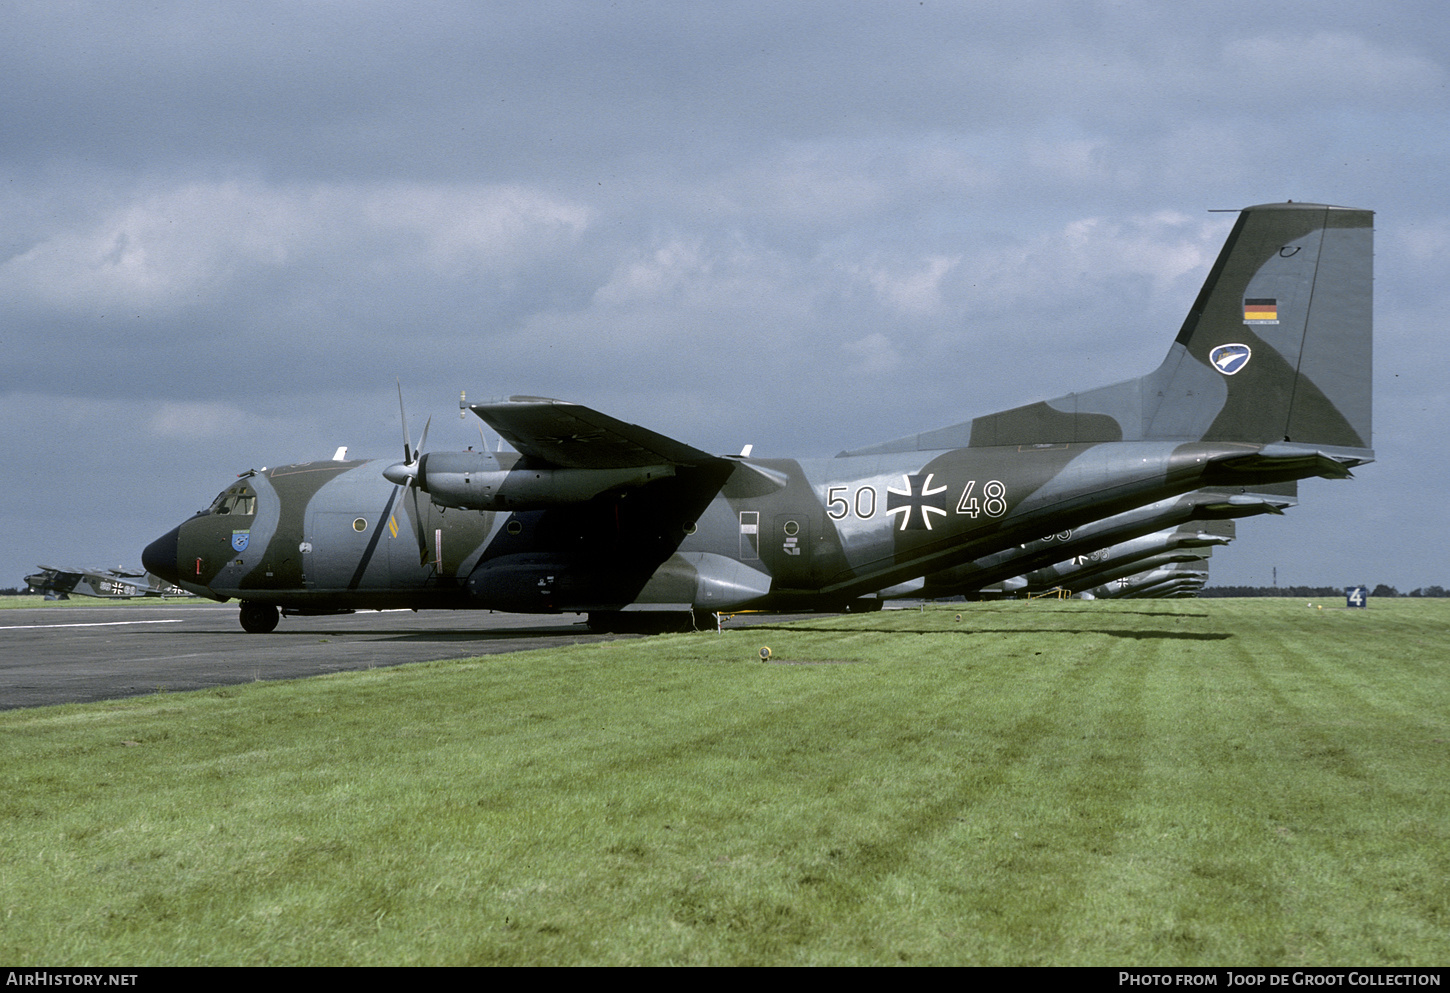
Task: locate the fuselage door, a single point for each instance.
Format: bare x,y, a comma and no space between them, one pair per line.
336,547
791,542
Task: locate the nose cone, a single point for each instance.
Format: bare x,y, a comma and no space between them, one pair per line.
159,558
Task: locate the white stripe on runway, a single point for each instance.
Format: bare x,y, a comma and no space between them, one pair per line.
88,624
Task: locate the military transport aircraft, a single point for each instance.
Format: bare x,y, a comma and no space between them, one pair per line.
1179,579
1268,380
109,584
1189,543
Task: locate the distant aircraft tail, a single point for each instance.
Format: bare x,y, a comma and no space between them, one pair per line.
1275,351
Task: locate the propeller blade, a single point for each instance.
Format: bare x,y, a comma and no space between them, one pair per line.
403,414
418,531
423,441
405,474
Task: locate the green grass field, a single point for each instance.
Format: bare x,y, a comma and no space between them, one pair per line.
1134,783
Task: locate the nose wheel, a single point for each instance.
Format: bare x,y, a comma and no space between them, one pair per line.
258,618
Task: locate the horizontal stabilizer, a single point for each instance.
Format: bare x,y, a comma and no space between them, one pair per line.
1278,460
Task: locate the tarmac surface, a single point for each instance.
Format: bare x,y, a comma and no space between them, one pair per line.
79,653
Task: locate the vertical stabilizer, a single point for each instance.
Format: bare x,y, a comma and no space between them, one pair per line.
1281,331
1276,348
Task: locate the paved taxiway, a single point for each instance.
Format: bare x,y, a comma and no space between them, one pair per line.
74,654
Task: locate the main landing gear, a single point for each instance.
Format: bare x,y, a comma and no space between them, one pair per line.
650,621
258,618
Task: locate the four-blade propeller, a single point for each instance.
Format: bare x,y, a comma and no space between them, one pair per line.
409,473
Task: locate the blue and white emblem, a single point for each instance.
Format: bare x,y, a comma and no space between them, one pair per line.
239,540
1229,359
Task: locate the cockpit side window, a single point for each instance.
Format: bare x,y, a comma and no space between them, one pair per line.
237,500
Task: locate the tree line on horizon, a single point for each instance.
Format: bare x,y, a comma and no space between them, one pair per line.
1323,592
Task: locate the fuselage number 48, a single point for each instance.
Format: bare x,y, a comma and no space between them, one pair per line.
841,502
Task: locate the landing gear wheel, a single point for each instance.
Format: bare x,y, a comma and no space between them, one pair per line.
602,621
639,621
259,618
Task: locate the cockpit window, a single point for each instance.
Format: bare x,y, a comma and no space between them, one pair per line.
235,500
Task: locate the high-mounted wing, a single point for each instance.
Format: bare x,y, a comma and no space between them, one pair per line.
567,454
568,435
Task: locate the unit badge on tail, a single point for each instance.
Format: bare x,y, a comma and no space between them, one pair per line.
1229,359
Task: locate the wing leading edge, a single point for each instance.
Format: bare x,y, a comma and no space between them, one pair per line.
560,434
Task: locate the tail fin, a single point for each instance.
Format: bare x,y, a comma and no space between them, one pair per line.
1277,348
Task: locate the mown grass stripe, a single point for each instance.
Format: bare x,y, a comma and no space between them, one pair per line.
1202,782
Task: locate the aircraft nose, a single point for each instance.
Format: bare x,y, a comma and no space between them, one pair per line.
159,558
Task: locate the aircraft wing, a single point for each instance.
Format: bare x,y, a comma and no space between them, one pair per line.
54,575
571,436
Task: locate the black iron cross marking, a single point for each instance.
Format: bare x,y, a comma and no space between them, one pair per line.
927,499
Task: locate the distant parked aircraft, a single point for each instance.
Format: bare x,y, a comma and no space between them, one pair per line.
109,584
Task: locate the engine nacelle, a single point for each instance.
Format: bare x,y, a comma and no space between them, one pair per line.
477,481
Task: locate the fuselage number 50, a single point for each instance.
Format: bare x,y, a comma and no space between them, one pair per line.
841,502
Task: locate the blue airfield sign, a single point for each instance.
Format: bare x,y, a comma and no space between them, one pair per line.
1356,596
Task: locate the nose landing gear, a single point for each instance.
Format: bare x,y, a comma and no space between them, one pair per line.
258,618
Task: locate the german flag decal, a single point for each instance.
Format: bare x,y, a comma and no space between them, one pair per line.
1261,310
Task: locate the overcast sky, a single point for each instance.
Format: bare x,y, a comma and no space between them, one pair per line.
229,228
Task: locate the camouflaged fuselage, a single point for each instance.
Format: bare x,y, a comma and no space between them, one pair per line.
1267,381
334,535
